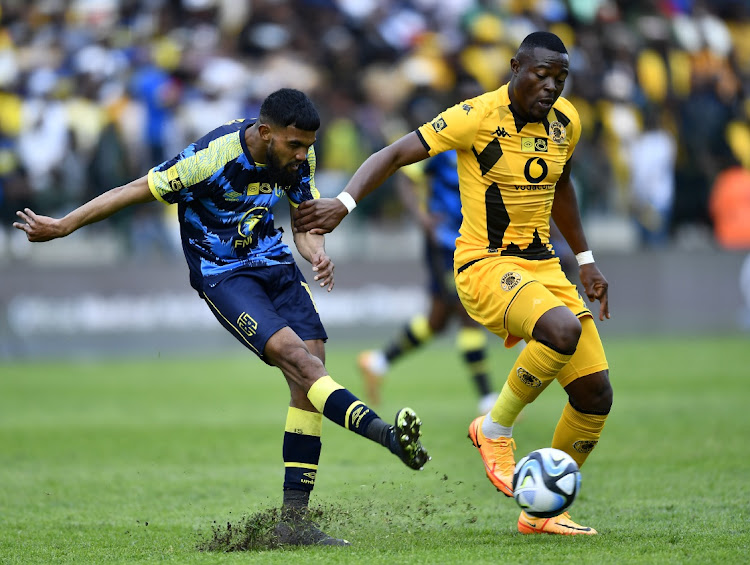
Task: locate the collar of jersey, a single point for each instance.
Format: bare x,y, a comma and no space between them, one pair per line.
245,148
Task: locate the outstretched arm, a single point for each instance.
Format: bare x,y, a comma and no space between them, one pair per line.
44,228
323,215
312,247
567,217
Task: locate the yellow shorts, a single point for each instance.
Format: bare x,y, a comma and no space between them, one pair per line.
507,295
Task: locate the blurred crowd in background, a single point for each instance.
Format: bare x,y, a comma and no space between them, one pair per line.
95,92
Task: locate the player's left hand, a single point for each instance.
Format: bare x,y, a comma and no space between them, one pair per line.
320,216
596,287
323,267
38,227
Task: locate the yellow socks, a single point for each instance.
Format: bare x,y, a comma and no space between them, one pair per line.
577,433
507,407
535,368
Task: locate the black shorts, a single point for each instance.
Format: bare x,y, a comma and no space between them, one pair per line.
439,262
254,303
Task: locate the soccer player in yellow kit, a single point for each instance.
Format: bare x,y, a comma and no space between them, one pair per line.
514,150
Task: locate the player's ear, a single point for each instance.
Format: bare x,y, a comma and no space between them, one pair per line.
265,131
515,65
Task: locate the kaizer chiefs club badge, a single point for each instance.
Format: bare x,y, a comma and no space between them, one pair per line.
510,280
527,378
585,446
557,132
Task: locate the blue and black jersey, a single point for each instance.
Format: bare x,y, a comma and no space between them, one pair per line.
443,197
224,203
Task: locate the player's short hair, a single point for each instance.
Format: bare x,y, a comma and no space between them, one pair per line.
543,39
290,107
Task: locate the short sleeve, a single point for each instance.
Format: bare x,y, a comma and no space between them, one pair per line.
165,183
455,128
574,125
172,180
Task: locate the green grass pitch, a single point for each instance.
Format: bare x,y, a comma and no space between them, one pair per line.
136,461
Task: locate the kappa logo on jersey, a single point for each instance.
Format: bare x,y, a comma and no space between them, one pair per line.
247,324
527,378
533,144
309,477
510,280
585,445
500,132
439,124
467,108
557,132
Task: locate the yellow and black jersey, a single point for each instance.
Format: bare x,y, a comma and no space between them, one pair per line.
507,171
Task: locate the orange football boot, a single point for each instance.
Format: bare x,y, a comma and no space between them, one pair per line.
497,456
561,525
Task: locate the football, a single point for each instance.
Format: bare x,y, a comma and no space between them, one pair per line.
546,482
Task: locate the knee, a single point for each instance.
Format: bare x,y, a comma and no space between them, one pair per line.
298,364
601,398
303,361
568,335
558,329
593,394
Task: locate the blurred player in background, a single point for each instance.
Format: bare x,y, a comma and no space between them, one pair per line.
429,191
431,196
225,185
514,148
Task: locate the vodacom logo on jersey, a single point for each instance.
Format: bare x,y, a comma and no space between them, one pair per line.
536,170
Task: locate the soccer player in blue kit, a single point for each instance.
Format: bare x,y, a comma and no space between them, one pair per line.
225,185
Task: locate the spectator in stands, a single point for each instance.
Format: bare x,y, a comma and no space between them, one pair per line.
652,169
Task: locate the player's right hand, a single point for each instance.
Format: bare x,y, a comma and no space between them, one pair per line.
320,216
38,228
596,288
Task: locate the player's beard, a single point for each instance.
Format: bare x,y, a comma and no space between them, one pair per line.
283,175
